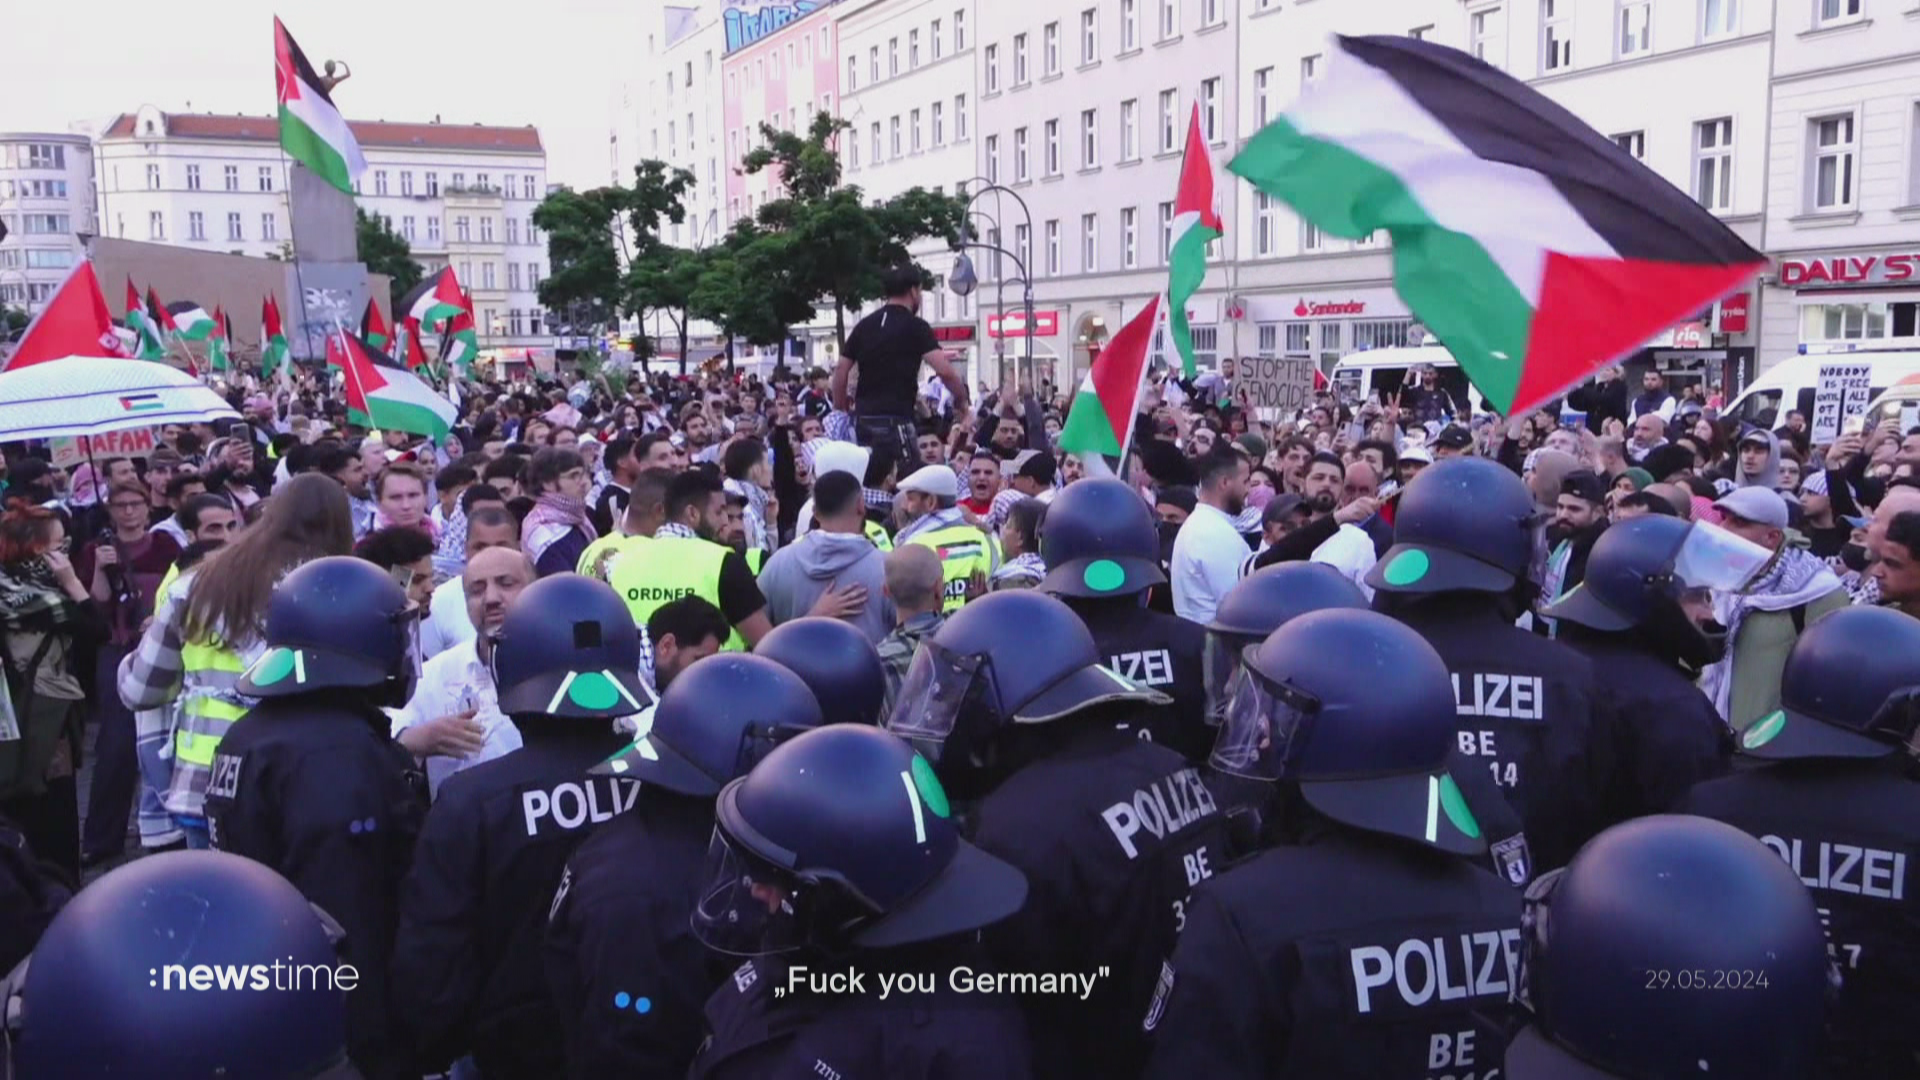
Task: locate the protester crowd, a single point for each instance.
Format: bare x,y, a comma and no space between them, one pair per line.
139,605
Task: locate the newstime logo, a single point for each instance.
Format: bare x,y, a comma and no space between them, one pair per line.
279,975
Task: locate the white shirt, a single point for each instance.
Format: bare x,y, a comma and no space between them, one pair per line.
1350,551
450,683
1207,554
447,624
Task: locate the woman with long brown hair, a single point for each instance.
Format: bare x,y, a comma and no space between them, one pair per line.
43,609
208,628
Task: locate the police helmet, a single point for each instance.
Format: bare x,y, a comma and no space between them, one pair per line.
337,622
1261,603
1099,540
568,647
836,661
1838,678
1357,710
1672,946
848,835
1463,524
107,990
1013,657
716,719
1638,568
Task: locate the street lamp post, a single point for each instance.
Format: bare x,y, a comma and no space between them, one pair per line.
999,302
1026,276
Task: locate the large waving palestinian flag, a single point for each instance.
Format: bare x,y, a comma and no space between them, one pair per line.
382,394
432,302
312,131
1534,248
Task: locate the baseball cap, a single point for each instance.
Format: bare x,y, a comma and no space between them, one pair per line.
1416,453
936,480
1762,506
840,457
1755,435
1283,504
1584,484
1453,437
165,457
1034,465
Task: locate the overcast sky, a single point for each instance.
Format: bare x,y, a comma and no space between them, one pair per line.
551,63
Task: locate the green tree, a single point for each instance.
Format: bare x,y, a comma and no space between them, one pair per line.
746,290
605,250
386,252
12,319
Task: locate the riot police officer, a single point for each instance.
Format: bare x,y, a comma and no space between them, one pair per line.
109,990
1837,798
1671,946
836,661
1626,615
1320,958
1103,556
467,959
836,862
1464,535
627,976
311,783
1011,699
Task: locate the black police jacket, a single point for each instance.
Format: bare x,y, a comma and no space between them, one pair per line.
467,965
1528,718
1851,831
1352,956
627,975
769,1021
1112,832
1164,652
1666,735
321,793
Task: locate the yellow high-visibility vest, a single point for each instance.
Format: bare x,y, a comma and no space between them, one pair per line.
667,569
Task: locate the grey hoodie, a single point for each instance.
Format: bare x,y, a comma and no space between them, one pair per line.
799,573
1769,477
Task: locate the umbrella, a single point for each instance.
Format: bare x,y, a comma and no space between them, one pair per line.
92,395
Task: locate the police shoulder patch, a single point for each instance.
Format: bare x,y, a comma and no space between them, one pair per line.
1513,859
1162,990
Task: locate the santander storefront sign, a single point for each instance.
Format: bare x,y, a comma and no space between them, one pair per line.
1306,309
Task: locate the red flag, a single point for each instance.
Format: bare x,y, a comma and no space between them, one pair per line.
75,322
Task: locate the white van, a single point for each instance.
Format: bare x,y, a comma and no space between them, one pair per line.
1792,381
1381,371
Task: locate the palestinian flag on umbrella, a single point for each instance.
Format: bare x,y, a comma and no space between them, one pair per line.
273,339
1196,223
220,342
1534,248
312,131
432,302
1100,421
190,320
148,343
373,327
382,394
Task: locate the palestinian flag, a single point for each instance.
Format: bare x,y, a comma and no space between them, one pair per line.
273,339
312,131
462,342
148,343
1534,248
73,322
374,328
190,320
220,342
432,302
412,353
1196,223
381,394
1100,420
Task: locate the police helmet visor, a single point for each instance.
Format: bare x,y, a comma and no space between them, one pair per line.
1221,668
939,685
749,907
1710,557
1262,727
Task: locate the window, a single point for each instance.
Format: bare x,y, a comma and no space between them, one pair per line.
959,117
873,64
1421,33
45,156
893,136
406,182
196,225
513,230
1485,37
915,122
1129,25
893,57
877,155
533,275
462,229
193,178
1832,12
1636,28
235,232
1310,238
934,44
433,184
1263,223
1713,163
959,30
406,226
993,69
433,228
1019,155
269,228
1050,49
1860,321
230,177
853,153
853,73
266,178
1089,139
1019,59
46,224
486,275
466,270
1089,35
1166,231
993,159
513,277
1089,243
939,123
1129,238
1023,247
1309,70
156,225
1130,130
1053,248
1719,18
999,264
486,230
153,178
1053,148
120,225
49,260
1833,147
913,49
1633,142
1556,35
1169,19
1169,106
1210,13
1210,109
484,182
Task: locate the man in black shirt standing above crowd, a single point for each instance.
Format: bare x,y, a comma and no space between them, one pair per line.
889,346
